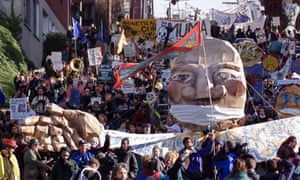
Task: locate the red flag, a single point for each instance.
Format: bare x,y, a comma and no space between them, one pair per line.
123,68
190,41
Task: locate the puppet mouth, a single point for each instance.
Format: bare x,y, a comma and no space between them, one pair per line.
203,115
207,101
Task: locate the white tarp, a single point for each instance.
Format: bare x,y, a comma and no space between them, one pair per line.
263,139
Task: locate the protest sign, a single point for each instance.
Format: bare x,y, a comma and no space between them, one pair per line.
128,86
129,50
95,56
18,108
95,99
56,60
139,28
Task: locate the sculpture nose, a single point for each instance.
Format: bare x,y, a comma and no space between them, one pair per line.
203,84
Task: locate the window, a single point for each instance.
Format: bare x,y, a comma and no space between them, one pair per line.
27,10
36,16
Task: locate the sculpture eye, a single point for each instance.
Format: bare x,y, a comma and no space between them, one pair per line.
285,96
221,77
296,99
182,77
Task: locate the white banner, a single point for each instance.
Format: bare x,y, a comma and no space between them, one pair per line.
56,60
263,139
222,18
95,56
176,30
18,108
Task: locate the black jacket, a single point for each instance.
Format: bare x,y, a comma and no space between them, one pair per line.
129,158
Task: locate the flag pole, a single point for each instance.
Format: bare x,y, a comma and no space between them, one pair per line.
80,13
75,46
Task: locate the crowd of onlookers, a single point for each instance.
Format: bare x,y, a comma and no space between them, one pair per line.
143,111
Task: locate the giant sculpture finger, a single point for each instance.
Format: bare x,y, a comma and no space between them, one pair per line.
63,127
207,86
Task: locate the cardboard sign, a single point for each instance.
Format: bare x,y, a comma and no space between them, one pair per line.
128,86
56,60
96,99
129,50
18,108
276,21
95,56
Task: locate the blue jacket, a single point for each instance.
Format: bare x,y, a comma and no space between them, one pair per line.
195,165
225,166
82,159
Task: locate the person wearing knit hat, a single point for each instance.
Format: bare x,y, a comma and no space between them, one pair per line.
9,167
64,167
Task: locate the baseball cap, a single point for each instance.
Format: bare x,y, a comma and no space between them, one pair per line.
34,141
81,142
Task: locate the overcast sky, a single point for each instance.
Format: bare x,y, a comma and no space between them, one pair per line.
160,6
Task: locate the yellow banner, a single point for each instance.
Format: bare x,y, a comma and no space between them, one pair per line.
135,28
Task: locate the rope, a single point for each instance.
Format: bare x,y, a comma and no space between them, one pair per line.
258,94
209,90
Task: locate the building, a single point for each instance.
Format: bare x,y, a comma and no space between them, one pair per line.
40,17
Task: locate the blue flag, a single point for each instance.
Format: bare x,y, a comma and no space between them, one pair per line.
100,35
77,33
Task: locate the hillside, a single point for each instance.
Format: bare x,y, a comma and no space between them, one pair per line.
11,61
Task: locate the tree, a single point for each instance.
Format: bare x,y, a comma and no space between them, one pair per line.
12,22
12,62
54,42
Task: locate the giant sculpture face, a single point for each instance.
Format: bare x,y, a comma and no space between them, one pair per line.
207,84
288,100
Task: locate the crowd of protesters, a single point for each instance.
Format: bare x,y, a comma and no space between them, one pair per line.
139,112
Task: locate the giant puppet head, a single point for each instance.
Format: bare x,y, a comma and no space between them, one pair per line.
288,98
207,85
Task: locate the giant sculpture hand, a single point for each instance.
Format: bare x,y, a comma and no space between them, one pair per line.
63,127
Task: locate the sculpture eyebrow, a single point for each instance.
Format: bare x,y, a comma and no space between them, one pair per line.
229,66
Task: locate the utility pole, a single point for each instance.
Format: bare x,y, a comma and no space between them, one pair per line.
169,12
109,16
80,13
